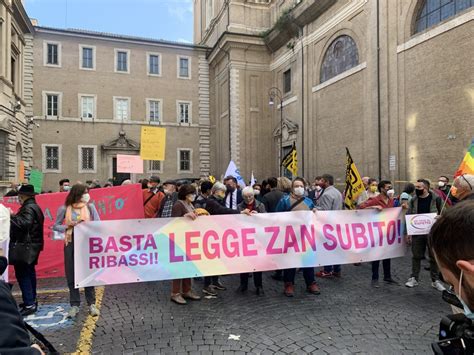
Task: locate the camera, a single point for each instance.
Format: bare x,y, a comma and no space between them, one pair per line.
456,331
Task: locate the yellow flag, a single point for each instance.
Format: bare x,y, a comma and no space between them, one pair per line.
354,184
290,161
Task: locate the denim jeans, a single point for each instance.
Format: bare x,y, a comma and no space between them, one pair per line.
74,295
26,276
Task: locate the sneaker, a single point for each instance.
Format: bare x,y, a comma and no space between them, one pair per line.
208,290
219,286
28,310
93,311
313,288
375,284
177,298
259,291
323,274
391,281
73,311
191,295
438,285
289,289
411,282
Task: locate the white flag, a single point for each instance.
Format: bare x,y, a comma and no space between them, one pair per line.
252,180
233,171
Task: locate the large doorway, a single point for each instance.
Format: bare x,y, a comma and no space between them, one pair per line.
118,177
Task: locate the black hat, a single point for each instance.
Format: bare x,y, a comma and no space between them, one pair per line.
27,190
155,178
170,182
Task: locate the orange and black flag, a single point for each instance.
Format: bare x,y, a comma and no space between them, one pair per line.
354,185
290,161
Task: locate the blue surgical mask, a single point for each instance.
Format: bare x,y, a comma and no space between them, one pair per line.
467,312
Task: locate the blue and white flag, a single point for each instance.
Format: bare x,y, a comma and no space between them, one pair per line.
233,171
252,180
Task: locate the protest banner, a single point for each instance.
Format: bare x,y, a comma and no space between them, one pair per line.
36,179
115,252
420,224
121,202
152,143
129,164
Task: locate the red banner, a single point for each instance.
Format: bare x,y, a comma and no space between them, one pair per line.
121,202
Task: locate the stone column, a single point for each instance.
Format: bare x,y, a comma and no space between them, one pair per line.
204,119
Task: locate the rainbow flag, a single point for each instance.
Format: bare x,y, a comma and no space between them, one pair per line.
467,164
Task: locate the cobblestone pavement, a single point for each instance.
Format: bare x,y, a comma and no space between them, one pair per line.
348,317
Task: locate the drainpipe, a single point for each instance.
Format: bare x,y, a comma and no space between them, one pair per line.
379,118
302,102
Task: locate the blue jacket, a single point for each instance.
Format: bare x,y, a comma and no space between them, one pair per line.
285,204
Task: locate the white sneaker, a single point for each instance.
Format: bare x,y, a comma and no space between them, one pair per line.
438,285
73,311
93,311
411,282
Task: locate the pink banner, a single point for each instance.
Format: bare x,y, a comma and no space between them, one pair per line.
160,249
121,202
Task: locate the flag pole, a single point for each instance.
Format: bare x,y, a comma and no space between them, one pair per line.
445,200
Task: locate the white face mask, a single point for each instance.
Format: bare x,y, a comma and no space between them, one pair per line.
66,188
441,184
318,188
192,197
86,198
256,192
299,191
391,193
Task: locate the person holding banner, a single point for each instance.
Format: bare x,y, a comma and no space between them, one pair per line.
77,209
181,289
383,200
254,206
296,201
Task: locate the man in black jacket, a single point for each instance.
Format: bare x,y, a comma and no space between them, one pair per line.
271,199
28,221
14,339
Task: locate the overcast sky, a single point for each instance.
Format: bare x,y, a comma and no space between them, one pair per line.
160,19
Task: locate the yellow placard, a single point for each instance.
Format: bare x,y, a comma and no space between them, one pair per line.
153,143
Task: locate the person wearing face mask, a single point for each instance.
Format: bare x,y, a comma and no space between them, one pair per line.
425,201
463,188
76,209
152,197
452,244
233,195
315,192
381,201
169,199
181,290
330,200
64,185
27,222
443,190
371,190
257,189
250,203
296,201
216,206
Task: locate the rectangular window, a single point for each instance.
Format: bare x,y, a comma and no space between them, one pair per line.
183,67
87,58
52,158
87,159
154,166
184,112
154,110
87,107
121,109
52,104
122,61
52,55
287,81
154,64
184,160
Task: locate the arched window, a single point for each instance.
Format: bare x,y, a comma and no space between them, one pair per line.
433,12
341,55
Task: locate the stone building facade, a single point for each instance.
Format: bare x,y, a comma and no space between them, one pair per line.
16,89
94,91
391,80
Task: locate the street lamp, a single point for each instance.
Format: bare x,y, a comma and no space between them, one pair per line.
275,93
